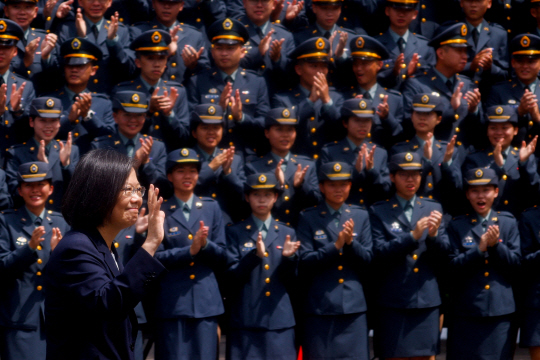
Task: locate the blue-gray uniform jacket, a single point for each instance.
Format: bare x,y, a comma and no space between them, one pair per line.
318,123
21,301
6,202
190,288
332,277
483,282
368,186
291,200
27,152
227,190
416,44
202,14
173,130
84,130
407,268
385,132
431,13
118,61
187,35
275,73
259,292
247,135
453,121
152,172
518,183
510,93
529,233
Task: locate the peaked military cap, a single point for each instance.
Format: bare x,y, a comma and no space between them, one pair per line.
153,41
481,176
46,107
367,48
454,35
206,114
316,49
20,1
183,156
228,31
405,161
79,51
10,33
281,116
336,170
425,102
361,108
33,172
327,2
130,101
525,45
260,181
501,114
402,4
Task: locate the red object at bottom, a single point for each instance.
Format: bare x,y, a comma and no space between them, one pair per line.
300,353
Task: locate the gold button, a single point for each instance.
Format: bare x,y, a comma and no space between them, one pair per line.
48,18
191,263
486,274
198,20
287,211
247,100
509,31
50,201
214,195
312,118
315,156
77,121
95,81
39,287
415,270
192,277
505,202
487,262
360,189
39,247
486,287
313,130
361,201
314,143
341,281
456,116
267,267
423,19
156,127
38,273
457,130
173,77
508,18
231,144
531,123
29,72
267,293
430,185
121,19
156,113
116,245
230,117
190,237
212,100
429,173
39,261
267,280
266,254
286,198
340,267
423,6
415,257
508,6
504,177
173,64
344,19
286,186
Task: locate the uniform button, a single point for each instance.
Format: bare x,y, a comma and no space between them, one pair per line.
505,202
39,247
192,276
312,118
6,122
38,273
48,18
29,72
198,20
423,19
267,267
173,64
267,293
423,6
455,116
361,201
344,19
230,117
212,100
230,131
457,130
39,287
267,280
39,261
429,173
191,263
95,81
247,100
360,189
286,186
173,77
77,121
340,267
287,211
430,185
531,123
190,236
231,144
504,177
116,245
313,130
286,198
508,6
508,18
156,127
266,254
314,143
415,257
156,113
487,262
214,195
315,156
486,287
341,281
486,274
50,201
415,270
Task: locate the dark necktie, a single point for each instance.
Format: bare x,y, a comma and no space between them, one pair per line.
475,36
367,95
450,85
336,218
2,82
259,32
264,231
151,90
229,79
401,45
186,211
37,222
95,31
408,211
327,34
484,225
527,87
130,147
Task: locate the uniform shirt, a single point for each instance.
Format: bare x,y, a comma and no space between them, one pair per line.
130,148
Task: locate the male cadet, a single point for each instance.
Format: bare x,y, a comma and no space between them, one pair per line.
34,53
522,90
317,105
269,45
86,115
368,55
515,167
129,112
241,93
296,173
409,243
438,175
370,180
111,36
460,97
335,250
222,171
27,237
408,51
168,117
61,156
191,55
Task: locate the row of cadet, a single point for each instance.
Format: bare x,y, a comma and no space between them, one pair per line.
321,285
249,65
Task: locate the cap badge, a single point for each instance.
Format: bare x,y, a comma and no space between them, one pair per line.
262,179
184,152
3,26
34,168
319,44
156,37
49,103
286,113
425,99
525,41
479,173
211,110
75,44
360,42
337,167
499,110
362,105
227,24
408,157
463,30
135,98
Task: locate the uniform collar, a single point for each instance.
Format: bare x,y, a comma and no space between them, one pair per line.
278,158
206,155
352,145
402,202
6,76
323,31
125,139
396,37
372,92
470,27
481,219
444,78
147,85
532,85
332,211
259,223
224,75
421,142
181,204
90,23
72,94
47,146
34,217
263,28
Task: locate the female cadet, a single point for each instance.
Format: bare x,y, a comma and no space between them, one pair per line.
193,251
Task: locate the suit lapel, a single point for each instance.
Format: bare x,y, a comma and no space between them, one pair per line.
196,212
102,247
511,160
485,35
28,226
410,48
178,215
272,234
398,213
417,211
477,228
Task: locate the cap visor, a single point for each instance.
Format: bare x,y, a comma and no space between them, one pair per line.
423,109
76,61
134,109
212,121
50,115
227,42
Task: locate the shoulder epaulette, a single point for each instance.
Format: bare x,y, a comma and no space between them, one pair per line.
506,214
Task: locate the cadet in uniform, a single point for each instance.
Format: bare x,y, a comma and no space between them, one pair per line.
241,93
61,156
27,237
335,249
86,115
484,259
129,111
296,173
168,114
409,244
370,180
262,273
193,250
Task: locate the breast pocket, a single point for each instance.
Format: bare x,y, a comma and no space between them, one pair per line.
210,99
249,102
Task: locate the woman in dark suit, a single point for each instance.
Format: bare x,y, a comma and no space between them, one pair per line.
90,296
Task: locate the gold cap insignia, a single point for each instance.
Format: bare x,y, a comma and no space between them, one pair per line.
184,152
479,173
286,113
408,157
362,105
156,37
319,44
34,168
262,179
211,110
525,41
425,99
337,167
49,103
227,24
360,42
76,44
499,110
463,30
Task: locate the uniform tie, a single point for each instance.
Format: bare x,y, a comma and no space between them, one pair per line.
367,95
37,222
186,211
95,31
151,90
130,147
401,44
260,32
229,79
264,231
336,218
327,34
484,225
2,82
475,36
527,87
408,211
450,85
284,165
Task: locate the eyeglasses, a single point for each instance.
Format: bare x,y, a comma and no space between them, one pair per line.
129,191
409,174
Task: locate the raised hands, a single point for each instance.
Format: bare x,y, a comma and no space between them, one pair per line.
142,155
156,218
527,150
37,238
290,247
191,56
489,238
199,240
450,149
65,150
346,235
366,155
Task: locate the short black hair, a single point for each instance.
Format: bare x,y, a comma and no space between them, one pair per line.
93,190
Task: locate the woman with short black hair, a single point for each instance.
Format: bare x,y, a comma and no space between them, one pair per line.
90,296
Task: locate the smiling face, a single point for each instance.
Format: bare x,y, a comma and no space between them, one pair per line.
281,138
366,71
22,13
129,124
35,194
501,133
425,122
407,182
482,197
167,11
45,128
208,136
258,11
79,75
526,69
261,202
335,192
126,210
184,179
95,9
